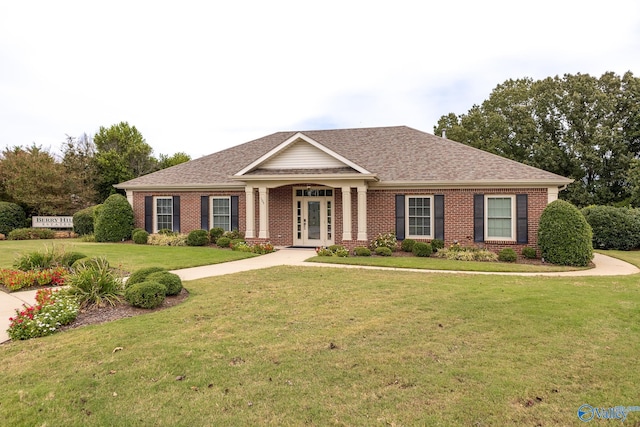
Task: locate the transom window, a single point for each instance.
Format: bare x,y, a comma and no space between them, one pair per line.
419,216
164,213
499,214
221,212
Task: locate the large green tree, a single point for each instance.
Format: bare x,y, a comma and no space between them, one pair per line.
121,154
80,166
578,126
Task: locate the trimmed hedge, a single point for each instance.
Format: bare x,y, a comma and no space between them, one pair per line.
223,242
114,220
564,235
407,245
12,216
140,237
31,234
83,221
507,255
529,253
383,251
361,251
613,227
146,294
172,281
198,238
422,249
141,275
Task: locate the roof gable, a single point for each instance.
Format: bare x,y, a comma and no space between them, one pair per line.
300,152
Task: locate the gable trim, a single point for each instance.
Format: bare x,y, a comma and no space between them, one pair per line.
292,140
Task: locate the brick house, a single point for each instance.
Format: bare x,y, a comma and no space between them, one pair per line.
346,186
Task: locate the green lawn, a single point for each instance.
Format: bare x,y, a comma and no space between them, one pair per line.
295,346
441,264
128,257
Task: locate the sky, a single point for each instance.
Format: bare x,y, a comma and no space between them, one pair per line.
201,76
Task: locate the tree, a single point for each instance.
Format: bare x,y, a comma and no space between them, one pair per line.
122,154
165,161
33,179
577,126
114,220
80,166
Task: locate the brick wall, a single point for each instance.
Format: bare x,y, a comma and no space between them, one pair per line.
458,208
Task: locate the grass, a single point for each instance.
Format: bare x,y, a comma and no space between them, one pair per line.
632,257
128,257
441,264
294,346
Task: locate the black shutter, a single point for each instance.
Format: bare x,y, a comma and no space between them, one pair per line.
176,214
522,221
148,214
234,213
400,216
438,211
478,217
204,212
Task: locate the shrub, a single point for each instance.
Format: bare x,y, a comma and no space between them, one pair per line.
529,253
93,283
235,242
262,248
167,239
484,255
69,258
171,281
83,221
216,233
422,249
167,231
223,242
324,252
11,217
341,252
613,227
507,255
36,260
198,238
31,234
242,247
140,237
141,275
564,235
114,220
407,245
361,251
461,253
437,244
145,294
234,235
383,251
385,240
53,310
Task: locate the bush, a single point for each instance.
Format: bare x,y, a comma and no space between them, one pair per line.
93,283
324,252
262,248
53,310
361,251
383,251
385,240
31,234
167,239
437,244
216,233
140,237
198,238
613,227
507,255
69,258
11,217
83,221
234,235
529,253
114,220
145,294
564,235
141,275
49,258
87,261
407,245
223,242
422,249
171,281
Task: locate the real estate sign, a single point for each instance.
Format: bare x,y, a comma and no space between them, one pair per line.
52,221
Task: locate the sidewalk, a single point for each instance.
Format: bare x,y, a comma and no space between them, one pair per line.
605,266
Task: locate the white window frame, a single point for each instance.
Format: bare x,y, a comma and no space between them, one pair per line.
212,215
408,216
488,237
155,212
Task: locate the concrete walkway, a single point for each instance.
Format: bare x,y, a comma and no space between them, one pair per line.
604,266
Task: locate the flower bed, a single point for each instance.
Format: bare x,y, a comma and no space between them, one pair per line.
51,312
15,280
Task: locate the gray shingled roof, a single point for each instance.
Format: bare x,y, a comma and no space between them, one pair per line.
394,154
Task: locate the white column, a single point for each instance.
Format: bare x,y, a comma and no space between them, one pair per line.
362,213
346,213
552,194
263,192
129,197
250,213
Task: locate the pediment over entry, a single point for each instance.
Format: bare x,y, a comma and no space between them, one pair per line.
300,153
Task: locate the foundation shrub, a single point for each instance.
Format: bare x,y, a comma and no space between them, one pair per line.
216,233
361,251
564,235
437,244
422,249
146,294
529,253
407,245
114,220
385,240
507,255
198,238
140,237
223,242
383,251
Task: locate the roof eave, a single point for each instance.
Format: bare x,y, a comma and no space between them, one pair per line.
524,183
182,187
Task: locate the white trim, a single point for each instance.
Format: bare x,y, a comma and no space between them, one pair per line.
466,184
292,140
431,215
250,212
325,240
155,212
211,199
488,238
552,194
